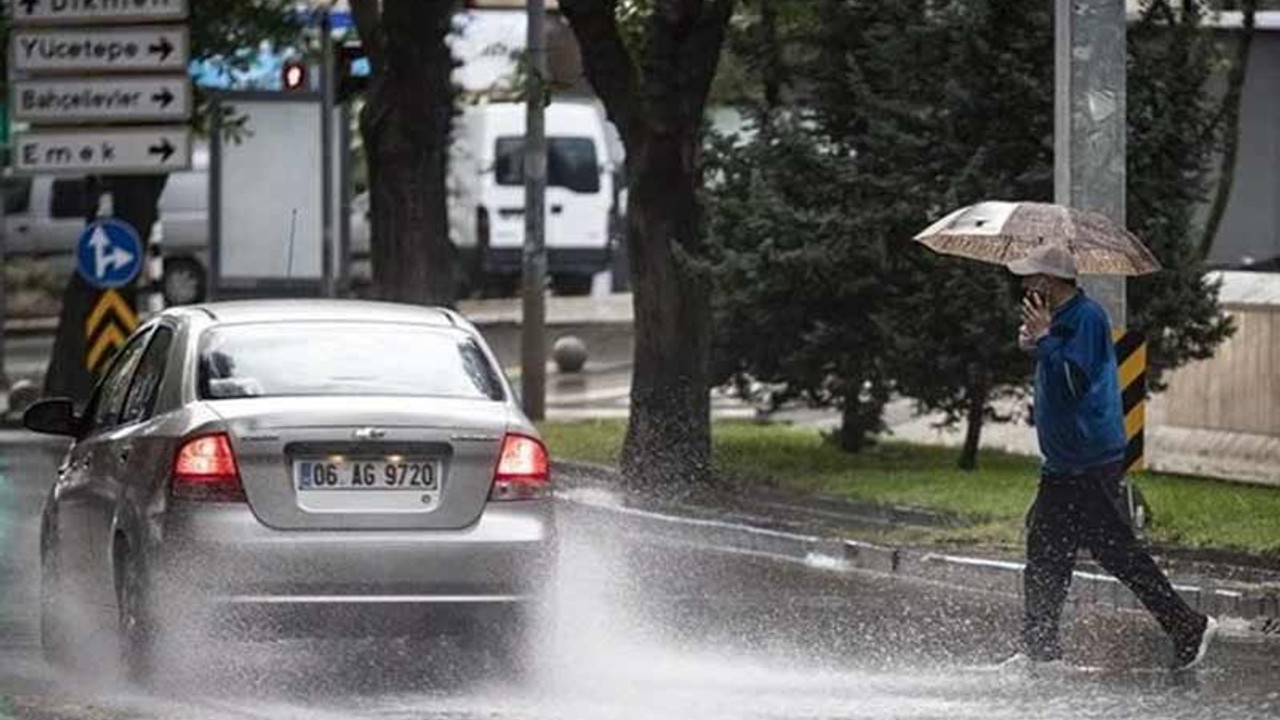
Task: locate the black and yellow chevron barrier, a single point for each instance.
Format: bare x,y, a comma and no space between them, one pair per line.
105,330
1131,358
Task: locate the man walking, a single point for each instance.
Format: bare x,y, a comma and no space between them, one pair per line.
1080,427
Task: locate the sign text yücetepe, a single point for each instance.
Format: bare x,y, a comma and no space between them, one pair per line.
50,48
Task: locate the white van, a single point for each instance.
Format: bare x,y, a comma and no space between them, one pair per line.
486,205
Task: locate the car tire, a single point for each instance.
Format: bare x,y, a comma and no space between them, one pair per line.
136,629
55,633
185,281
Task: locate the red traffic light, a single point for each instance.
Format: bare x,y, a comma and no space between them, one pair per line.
293,76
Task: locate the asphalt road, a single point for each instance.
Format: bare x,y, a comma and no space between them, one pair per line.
647,626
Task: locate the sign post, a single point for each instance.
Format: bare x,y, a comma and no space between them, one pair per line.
104,89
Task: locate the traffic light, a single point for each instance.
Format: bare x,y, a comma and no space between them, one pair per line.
352,70
293,76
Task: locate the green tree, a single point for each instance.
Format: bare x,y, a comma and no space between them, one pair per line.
799,291
652,63
923,107
228,30
954,348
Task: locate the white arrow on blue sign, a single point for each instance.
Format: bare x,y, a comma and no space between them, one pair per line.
109,254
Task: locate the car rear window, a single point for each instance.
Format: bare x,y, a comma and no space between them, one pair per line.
339,358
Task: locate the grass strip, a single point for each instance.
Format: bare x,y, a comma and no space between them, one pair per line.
992,501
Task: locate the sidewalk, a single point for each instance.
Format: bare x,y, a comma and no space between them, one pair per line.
830,532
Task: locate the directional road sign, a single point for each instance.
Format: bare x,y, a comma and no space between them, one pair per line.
109,254
124,49
95,12
86,100
90,150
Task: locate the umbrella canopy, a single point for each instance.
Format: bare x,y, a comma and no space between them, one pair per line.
1001,232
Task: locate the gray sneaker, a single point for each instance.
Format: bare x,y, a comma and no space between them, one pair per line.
1189,651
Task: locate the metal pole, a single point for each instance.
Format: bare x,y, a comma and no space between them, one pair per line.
1089,122
533,328
326,150
4,305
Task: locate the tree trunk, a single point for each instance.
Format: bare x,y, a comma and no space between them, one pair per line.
853,438
658,106
405,126
134,199
668,440
772,70
977,413
861,415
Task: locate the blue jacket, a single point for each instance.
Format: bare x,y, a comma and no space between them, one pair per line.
1078,412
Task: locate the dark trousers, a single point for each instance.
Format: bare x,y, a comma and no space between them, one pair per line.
1088,510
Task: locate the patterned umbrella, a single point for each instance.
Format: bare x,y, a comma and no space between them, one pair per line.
1000,232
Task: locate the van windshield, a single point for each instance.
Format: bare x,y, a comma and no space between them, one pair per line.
571,163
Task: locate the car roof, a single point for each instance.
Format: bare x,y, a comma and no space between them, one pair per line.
311,310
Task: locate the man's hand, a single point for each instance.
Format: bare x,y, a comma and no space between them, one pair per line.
1036,318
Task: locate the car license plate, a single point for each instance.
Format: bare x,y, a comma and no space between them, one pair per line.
366,475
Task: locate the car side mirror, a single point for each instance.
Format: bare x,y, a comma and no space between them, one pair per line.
55,416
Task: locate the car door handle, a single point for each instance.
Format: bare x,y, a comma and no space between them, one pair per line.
557,209
124,454
23,228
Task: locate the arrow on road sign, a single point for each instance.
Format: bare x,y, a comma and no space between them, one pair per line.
165,150
164,97
106,256
163,48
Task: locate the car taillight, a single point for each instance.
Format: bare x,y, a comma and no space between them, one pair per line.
205,469
524,472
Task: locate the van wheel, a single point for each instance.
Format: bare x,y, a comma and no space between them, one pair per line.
500,286
572,284
184,281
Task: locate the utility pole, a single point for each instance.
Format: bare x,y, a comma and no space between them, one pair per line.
4,304
533,346
1089,123
326,149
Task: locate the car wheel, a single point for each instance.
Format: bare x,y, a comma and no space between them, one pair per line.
55,640
184,281
136,627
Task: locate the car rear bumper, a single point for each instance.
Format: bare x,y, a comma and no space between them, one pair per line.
221,554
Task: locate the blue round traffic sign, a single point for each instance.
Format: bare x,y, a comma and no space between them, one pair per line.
109,254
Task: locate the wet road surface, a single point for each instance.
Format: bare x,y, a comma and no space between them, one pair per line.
646,626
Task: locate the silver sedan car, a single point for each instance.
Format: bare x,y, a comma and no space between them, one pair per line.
326,461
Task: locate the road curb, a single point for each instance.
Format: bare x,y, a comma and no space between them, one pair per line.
1258,607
